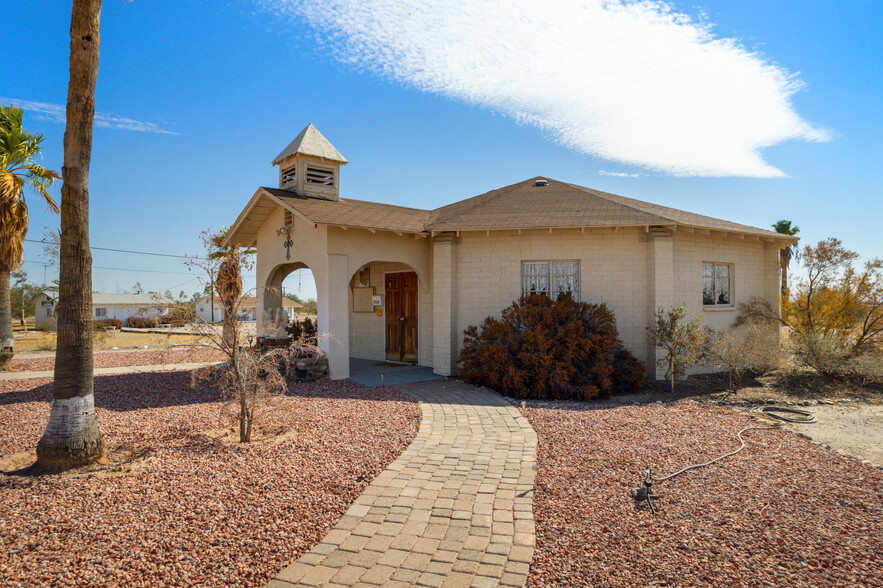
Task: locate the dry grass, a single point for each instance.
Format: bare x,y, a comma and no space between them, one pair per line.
780,385
41,342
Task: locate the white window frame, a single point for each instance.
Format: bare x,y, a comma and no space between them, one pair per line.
101,312
575,292
716,292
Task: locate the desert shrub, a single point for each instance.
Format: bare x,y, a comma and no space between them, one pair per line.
867,369
303,330
541,348
833,312
682,340
143,322
629,372
109,323
834,358
172,319
756,349
48,341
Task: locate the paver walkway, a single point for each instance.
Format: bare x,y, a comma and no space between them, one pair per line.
453,510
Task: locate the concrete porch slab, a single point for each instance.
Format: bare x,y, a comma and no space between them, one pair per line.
372,373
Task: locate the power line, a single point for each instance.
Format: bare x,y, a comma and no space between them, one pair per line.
44,242
123,269
127,269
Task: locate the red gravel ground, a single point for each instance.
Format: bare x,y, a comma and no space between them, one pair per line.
783,512
195,512
110,359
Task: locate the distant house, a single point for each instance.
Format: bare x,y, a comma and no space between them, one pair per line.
104,306
44,309
247,310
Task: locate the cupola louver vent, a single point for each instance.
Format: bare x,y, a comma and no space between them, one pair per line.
321,176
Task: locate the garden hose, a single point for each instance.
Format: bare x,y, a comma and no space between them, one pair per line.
804,416
646,493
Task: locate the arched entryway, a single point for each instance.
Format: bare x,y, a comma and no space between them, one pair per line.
299,287
388,301
274,289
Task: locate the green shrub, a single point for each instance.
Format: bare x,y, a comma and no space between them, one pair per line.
541,348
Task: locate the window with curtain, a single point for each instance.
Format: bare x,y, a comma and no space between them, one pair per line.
717,284
557,279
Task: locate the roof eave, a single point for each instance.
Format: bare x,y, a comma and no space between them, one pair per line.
771,236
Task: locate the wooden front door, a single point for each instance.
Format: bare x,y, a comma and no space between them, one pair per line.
401,317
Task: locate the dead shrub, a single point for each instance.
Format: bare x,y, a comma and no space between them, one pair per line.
109,323
834,358
756,349
48,341
540,348
304,330
143,322
173,320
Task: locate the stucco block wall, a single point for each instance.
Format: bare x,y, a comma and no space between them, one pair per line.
368,331
755,272
272,267
613,269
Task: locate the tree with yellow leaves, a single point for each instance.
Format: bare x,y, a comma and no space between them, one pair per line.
834,309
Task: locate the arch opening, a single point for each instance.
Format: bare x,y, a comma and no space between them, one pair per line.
388,312
292,287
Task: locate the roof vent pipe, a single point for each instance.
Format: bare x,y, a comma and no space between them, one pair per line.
541,183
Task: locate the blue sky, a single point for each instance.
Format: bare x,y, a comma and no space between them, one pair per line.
196,99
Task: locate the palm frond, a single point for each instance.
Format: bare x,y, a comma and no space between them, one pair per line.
18,148
40,188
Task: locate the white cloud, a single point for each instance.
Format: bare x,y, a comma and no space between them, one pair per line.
632,82
619,174
56,113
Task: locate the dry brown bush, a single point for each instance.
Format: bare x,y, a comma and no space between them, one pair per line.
542,348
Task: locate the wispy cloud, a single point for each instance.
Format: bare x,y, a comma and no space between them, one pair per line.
56,113
629,81
619,174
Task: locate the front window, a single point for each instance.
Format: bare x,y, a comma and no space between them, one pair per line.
100,312
558,279
717,284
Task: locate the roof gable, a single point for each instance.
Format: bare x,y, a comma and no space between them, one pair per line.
313,143
526,206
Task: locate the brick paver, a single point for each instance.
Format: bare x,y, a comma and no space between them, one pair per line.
453,510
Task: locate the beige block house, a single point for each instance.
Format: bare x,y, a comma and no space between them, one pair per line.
401,284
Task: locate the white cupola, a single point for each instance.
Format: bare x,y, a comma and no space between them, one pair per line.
310,166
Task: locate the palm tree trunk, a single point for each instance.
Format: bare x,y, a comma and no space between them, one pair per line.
72,436
785,256
7,342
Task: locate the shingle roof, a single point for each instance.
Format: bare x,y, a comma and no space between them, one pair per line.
558,204
147,299
518,206
311,142
355,213
251,301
